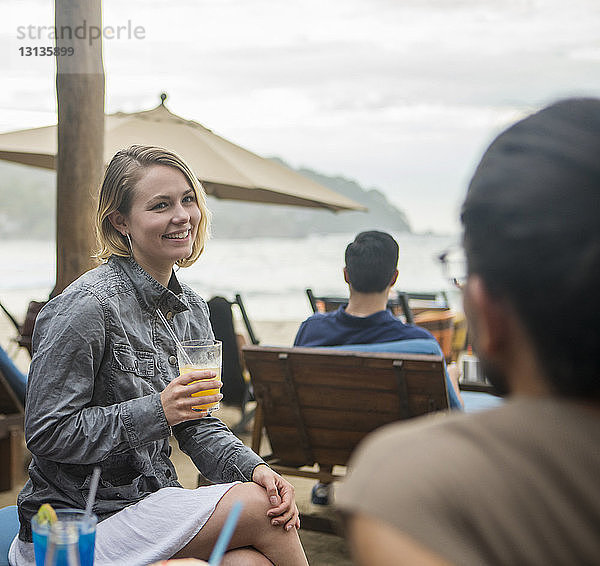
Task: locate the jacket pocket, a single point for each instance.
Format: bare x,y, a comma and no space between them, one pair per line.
134,361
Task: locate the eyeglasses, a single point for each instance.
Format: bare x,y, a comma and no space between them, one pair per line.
454,265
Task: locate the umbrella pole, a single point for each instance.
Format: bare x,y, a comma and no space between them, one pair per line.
80,95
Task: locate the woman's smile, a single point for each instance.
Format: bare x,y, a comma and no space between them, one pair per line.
178,235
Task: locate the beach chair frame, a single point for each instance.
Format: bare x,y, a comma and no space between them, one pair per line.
395,304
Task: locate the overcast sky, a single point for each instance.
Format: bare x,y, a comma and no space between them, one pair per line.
401,95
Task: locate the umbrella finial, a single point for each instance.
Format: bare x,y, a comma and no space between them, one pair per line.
163,97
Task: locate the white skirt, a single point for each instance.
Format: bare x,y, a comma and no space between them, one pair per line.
153,529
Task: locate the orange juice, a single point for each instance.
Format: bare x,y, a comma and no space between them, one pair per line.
209,406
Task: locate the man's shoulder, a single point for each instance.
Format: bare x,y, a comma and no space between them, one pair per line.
411,332
319,319
433,442
518,426
386,327
437,452
407,331
413,433
320,316
316,329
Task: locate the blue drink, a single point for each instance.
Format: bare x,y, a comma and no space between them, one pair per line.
86,547
86,527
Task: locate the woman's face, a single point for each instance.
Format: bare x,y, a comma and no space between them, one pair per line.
163,220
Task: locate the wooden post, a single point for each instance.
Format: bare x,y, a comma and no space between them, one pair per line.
79,167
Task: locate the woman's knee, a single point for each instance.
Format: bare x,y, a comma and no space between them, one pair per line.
254,497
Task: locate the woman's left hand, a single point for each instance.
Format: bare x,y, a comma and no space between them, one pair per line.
283,510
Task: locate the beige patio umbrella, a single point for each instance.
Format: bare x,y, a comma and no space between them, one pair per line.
226,170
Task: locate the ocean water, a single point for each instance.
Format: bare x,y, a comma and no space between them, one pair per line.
271,274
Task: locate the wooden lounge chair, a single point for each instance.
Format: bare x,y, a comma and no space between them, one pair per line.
25,330
316,405
11,436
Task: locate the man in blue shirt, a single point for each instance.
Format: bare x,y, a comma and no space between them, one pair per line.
371,272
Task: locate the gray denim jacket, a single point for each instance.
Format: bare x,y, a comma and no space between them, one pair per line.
102,357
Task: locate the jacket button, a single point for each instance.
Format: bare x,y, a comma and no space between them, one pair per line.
173,360
168,473
169,315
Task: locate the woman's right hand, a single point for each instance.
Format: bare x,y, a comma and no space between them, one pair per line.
177,400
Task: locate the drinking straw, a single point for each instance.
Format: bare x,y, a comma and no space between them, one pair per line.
174,336
226,533
93,487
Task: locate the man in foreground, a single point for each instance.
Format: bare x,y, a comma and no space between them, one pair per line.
518,484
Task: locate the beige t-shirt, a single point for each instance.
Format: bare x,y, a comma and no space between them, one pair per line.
516,485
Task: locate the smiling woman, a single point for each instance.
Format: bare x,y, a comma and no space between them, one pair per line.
104,390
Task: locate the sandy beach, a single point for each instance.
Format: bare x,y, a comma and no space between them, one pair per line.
322,549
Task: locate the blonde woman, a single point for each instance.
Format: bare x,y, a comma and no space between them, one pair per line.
104,390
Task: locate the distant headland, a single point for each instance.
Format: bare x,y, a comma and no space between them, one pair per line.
27,209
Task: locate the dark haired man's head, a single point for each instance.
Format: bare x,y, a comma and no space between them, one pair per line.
371,261
532,233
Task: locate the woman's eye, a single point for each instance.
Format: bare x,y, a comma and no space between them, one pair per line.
189,198
159,205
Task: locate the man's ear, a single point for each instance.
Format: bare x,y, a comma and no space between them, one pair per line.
393,279
488,318
346,276
118,221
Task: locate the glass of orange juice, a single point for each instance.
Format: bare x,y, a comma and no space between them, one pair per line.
201,355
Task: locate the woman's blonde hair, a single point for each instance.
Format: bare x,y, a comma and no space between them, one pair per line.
116,193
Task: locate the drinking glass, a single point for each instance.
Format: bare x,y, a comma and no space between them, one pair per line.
85,531
201,355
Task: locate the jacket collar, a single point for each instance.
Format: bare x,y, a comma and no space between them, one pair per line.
149,292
